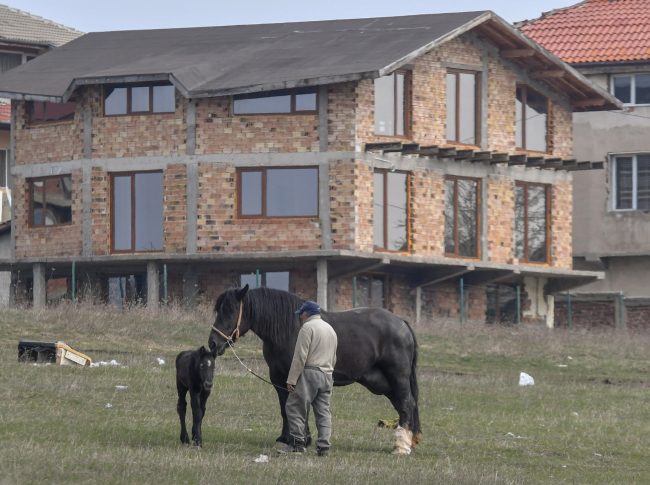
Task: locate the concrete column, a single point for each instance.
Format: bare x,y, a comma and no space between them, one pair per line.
484,101
484,220
331,296
550,311
190,287
86,211
12,290
321,280
12,135
324,209
39,289
418,304
192,194
190,130
323,127
88,127
153,285
621,324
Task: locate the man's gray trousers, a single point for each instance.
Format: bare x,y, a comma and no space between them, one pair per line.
313,387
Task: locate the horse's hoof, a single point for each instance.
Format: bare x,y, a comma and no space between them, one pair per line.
403,442
308,441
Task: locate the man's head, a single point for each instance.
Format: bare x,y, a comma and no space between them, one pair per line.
308,309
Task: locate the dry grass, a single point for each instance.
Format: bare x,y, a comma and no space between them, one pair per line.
55,427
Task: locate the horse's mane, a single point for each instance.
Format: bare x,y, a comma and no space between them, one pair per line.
270,312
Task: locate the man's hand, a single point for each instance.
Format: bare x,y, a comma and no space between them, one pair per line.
290,387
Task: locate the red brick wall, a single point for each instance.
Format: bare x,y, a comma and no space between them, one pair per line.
175,209
502,88
342,210
500,218
562,224
341,107
364,205
561,131
53,241
586,314
427,200
100,212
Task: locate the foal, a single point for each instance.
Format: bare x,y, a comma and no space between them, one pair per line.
194,373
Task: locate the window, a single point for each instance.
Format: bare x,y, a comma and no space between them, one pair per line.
143,99
501,304
278,280
632,182
50,201
9,61
462,107
137,212
532,120
390,227
392,104
277,192
286,101
531,222
461,217
371,291
4,163
633,89
51,112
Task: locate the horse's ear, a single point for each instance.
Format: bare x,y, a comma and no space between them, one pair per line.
202,351
241,294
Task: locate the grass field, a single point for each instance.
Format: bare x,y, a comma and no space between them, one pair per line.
588,422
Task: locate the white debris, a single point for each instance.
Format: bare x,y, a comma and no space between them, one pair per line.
102,363
448,409
562,365
597,454
262,459
109,406
526,380
574,414
160,361
570,358
512,435
121,387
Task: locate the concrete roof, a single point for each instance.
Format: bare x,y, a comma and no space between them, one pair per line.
216,61
19,26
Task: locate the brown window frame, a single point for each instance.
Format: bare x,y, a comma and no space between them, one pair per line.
263,214
408,103
455,254
132,174
408,211
370,276
497,300
129,88
30,113
293,92
548,222
525,88
477,111
30,186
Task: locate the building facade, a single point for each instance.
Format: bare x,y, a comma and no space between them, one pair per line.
427,173
609,42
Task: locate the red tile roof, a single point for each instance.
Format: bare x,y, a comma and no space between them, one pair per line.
5,113
595,31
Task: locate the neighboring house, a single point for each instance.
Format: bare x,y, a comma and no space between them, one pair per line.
409,162
609,42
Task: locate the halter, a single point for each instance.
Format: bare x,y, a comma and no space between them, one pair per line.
235,333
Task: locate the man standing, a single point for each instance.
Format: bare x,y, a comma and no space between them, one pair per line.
310,379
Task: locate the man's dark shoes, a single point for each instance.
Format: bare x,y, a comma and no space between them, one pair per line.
298,447
323,452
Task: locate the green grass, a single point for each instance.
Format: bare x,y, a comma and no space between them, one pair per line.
588,422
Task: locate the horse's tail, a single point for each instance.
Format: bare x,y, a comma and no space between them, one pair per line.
413,380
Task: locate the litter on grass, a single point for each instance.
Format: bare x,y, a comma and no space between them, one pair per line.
109,406
597,454
562,365
121,387
262,459
160,361
102,363
512,435
574,414
526,380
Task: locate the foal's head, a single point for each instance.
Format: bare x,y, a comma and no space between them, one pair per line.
205,368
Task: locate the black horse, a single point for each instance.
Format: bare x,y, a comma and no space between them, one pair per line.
376,348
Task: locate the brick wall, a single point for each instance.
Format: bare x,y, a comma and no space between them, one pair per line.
100,212
427,200
364,205
586,314
502,88
562,224
53,241
500,218
175,209
341,107
561,131
342,209
218,228
443,301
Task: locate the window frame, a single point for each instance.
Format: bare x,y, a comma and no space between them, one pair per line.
292,92
407,105
525,88
477,111
30,110
4,171
378,249
132,174
526,259
129,88
633,76
263,274
30,188
614,190
264,170
455,254
385,277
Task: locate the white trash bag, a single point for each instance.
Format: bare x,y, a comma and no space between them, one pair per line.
526,380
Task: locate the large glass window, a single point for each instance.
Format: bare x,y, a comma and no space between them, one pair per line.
286,101
137,212
9,61
531,222
462,107
143,99
461,217
632,182
501,304
632,89
532,120
51,112
371,291
392,104
50,201
390,221
278,192
278,280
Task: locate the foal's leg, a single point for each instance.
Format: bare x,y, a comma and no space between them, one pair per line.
181,407
197,417
204,397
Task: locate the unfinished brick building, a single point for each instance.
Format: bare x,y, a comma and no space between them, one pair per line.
408,162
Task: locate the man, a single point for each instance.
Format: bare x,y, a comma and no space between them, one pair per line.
310,379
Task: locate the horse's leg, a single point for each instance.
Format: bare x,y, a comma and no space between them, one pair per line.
402,400
285,437
197,417
181,407
204,397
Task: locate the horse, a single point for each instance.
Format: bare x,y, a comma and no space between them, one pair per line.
194,373
376,348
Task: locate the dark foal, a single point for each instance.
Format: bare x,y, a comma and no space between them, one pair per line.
194,373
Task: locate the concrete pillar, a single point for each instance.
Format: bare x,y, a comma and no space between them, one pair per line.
418,304
324,208
190,287
86,210
321,280
550,311
39,289
12,289
153,285
190,132
618,314
323,128
192,194
331,296
88,126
